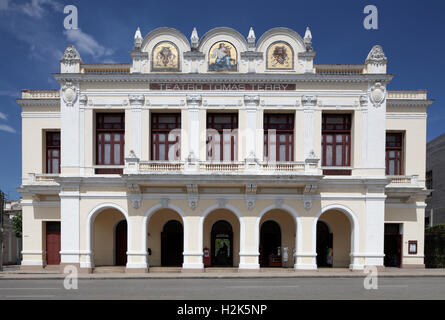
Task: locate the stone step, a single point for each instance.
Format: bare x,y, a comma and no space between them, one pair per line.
220,270
165,269
109,269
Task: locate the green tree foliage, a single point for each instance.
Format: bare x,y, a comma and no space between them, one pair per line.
17,223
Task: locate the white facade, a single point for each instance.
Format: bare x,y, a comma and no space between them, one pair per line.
354,200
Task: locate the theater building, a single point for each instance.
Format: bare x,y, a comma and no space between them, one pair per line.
223,151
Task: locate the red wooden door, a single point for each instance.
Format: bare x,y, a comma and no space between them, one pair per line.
53,242
121,243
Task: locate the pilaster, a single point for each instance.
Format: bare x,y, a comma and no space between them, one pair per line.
193,105
136,103
309,103
250,126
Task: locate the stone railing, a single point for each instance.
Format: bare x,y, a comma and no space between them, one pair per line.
40,94
43,178
404,180
106,69
160,166
407,94
134,166
338,69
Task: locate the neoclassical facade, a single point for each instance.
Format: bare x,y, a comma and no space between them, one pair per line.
223,151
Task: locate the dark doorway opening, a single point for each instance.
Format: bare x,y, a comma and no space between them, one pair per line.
222,244
121,243
52,242
392,245
270,244
324,245
172,239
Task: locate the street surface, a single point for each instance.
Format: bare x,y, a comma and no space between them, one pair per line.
214,289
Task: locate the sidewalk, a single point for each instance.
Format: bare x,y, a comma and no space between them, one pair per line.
14,273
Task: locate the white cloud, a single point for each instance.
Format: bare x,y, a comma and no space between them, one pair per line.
5,127
38,32
85,43
35,8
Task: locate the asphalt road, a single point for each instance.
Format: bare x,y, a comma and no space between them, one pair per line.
215,289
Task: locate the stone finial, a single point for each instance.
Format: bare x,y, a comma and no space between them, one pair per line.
376,60
71,60
376,56
308,40
71,56
194,39
251,38
137,38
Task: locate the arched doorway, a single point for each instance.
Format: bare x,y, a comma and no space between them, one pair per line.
277,237
324,245
222,244
107,237
172,239
270,244
339,228
121,243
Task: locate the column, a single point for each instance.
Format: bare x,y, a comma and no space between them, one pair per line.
305,255
375,227
193,244
136,254
69,224
249,243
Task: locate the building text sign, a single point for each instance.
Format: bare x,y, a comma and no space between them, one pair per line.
222,86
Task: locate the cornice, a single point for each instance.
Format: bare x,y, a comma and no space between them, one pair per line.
222,78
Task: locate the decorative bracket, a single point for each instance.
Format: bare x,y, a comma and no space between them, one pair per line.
192,195
251,189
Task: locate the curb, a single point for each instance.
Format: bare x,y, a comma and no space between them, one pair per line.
175,277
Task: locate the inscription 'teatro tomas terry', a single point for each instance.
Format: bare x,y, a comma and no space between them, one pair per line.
222,86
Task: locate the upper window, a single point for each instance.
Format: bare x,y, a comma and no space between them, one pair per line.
110,132
165,136
336,140
53,152
278,137
394,148
222,136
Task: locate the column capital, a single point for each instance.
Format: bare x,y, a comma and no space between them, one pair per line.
136,99
308,101
251,100
194,99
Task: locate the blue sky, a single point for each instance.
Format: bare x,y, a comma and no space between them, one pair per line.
33,39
